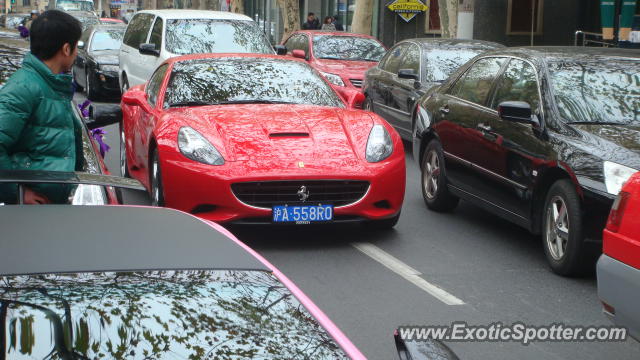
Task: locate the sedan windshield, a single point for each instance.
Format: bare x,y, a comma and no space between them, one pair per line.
597,92
107,40
247,80
158,315
71,5
440,63
347,48
195,36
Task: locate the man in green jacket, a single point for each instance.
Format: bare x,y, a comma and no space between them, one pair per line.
38,129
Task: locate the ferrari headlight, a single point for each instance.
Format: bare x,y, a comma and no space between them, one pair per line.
615,175
109,68
194,146
379,145
89,195
333,78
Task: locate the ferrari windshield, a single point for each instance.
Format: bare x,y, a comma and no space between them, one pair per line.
195,36
347,48
158,315
247,80
107,40
597,92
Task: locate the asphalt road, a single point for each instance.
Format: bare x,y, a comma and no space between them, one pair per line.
495,268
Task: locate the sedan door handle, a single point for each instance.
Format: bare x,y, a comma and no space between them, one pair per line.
484,128
444,109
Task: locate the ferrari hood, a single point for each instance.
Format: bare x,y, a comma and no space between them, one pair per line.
350,69
282,132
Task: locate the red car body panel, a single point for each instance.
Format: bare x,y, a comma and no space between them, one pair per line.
111,21
624,244
347,70
333,150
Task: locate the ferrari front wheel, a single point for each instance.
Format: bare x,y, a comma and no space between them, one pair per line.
157,194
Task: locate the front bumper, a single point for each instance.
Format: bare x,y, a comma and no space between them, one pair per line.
619,286
205,190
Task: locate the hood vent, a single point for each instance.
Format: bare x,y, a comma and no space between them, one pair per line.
289,134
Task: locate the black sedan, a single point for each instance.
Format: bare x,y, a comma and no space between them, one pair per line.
544,137
160,284
96,67
411,68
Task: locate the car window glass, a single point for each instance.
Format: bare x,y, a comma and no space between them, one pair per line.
517,83
106,40
291,43
392,63
475,84
137,30
439,63
153,87
411,59
347,48
85,37
304,43
156,34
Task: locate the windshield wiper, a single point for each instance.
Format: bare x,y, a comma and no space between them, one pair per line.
192,103
330,58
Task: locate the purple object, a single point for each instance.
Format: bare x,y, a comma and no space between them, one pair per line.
98,135
84,108
24,32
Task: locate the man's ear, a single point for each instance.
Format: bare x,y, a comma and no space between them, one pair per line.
66,49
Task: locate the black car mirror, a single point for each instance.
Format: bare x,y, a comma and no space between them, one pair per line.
408,74
80,44
280,49
148,49
417,85
103,115
516,111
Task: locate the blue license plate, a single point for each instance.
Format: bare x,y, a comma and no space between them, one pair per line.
302,214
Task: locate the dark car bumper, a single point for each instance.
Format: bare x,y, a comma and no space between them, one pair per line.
596,206
619,287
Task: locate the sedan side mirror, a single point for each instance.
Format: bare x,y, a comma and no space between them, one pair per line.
80,44
300,54
148,49
281,49
517,111
135,97
103,115
408,74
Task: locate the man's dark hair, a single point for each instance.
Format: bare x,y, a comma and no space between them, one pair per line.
51,30
311,14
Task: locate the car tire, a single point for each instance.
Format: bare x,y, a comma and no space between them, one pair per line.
124,167
125,84
435,193
90,91
384,224
75,81
368,104
157,192
562,231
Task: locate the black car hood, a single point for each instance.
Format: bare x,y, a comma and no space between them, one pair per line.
105,57
617,143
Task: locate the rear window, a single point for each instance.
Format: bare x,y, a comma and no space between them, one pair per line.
158,315
195,36
439,64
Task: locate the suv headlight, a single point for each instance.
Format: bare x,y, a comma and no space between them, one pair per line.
379,145
195,147
109,68
615,175
333,78
89,195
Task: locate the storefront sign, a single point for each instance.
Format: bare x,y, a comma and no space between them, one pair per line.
407,9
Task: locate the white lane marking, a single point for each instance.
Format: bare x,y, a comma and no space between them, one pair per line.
410,274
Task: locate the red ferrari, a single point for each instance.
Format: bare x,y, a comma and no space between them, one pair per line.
255,139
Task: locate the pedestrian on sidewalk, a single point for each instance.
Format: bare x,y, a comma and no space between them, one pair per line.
312,22
38,128
328,24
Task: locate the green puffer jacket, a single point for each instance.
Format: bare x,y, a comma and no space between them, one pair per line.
38,129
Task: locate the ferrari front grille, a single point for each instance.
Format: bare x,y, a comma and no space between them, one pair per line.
266,194
356,82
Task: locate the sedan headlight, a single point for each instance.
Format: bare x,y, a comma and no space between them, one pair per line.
379,145
615,176
89,195
194,146
333,78
109,68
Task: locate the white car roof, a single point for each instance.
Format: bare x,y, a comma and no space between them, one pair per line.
196,14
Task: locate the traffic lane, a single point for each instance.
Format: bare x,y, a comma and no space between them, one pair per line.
498,269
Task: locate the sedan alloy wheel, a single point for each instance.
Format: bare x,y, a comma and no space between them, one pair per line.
557,229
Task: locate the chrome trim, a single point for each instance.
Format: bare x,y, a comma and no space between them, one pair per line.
485,171
393,109
335,207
